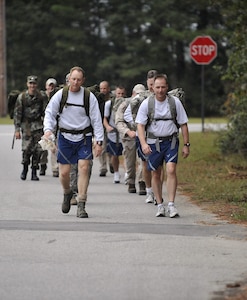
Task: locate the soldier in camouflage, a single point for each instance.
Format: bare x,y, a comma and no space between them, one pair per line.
28,122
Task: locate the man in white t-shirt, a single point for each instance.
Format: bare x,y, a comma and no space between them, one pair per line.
114,144
75,137
159,141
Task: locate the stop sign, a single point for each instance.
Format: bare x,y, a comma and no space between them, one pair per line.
203,50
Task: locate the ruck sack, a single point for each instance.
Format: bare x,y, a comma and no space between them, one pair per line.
177,92
115,103
11,100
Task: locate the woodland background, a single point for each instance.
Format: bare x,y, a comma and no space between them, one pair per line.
120,41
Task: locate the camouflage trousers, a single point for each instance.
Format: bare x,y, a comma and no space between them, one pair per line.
31,149
133,163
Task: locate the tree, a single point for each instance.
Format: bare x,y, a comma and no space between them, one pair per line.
115,41
235,16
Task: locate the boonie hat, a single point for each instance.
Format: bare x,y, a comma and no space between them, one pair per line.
138,88
51,81
32,78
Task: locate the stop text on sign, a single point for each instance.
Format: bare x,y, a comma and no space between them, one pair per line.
202,50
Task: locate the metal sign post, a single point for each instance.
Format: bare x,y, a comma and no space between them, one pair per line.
203,50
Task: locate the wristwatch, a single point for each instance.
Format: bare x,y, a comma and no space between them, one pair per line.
100,143
187,144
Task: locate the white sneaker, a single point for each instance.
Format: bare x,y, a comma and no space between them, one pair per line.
150,198
161,211
116,177
172,211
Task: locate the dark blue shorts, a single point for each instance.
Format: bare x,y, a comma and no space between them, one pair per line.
140,154
114,148
70,152
166,154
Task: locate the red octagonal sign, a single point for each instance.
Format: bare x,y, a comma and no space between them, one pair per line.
203,50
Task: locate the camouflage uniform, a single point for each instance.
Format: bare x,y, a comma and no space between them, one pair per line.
28,118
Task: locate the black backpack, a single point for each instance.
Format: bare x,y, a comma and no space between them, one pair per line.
11,100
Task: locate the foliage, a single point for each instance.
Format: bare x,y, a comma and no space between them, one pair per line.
115,41
235,18
213,180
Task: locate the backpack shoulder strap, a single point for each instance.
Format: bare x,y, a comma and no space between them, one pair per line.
172,105
173,109
112,103
23,97
151,102
64,99
86,100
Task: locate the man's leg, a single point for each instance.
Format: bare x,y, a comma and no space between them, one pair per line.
130,163
64,177
54,164
148,181
73,182
103,160
171,181
83,178
157,184
82,185
115,165
36,151
157,188
171,184
43,162
140,176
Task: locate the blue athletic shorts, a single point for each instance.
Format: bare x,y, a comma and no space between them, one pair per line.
156,159
70,152
114,148
140,154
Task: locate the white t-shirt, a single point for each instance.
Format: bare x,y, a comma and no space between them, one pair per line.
128,115
110,114
161,128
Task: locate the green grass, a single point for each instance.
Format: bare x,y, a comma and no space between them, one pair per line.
5,121
212,179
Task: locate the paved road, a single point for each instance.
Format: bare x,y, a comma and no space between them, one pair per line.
122,251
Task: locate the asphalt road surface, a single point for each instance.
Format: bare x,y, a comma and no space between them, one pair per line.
122,251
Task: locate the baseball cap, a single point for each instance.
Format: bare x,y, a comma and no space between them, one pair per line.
32,78
152,73
51,81
138,88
